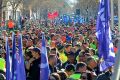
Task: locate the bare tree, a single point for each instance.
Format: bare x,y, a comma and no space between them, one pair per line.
14,4
49,4
88,7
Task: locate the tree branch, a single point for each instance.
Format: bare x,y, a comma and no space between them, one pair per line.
14,4
18,4
2,7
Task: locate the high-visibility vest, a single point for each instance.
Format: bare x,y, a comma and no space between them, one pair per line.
63,57
2,64
92,46
75,76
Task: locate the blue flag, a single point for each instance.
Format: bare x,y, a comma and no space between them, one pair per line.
8,67
20,73
14,61
66,19
44,67
105,45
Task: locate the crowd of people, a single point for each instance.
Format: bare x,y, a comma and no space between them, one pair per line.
72,52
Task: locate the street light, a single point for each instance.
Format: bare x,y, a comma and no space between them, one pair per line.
112,15
116,74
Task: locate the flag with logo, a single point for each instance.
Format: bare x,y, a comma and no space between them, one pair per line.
105,45
20,73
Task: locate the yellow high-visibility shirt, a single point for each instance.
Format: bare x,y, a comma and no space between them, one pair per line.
2,64
63,57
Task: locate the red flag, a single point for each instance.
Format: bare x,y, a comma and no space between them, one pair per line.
53,15
49,15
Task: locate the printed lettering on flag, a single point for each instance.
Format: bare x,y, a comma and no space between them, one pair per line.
103,33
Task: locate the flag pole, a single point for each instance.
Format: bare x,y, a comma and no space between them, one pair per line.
112,15
116,73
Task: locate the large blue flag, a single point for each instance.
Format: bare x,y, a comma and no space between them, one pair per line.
14,61
105,45
44,67
20,73
8,67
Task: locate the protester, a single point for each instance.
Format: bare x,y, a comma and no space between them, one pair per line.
63,75
71,59
54,76
92,65
70,69
34,65
80,69
67,48
104,76
52,63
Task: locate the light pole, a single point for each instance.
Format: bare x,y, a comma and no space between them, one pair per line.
116,73
112,15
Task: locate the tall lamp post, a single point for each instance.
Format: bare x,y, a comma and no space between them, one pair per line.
116,73
112,15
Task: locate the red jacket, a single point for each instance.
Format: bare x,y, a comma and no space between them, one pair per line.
11,24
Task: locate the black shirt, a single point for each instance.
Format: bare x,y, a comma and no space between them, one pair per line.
96,70
105,76
67,63
34,72
52,69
